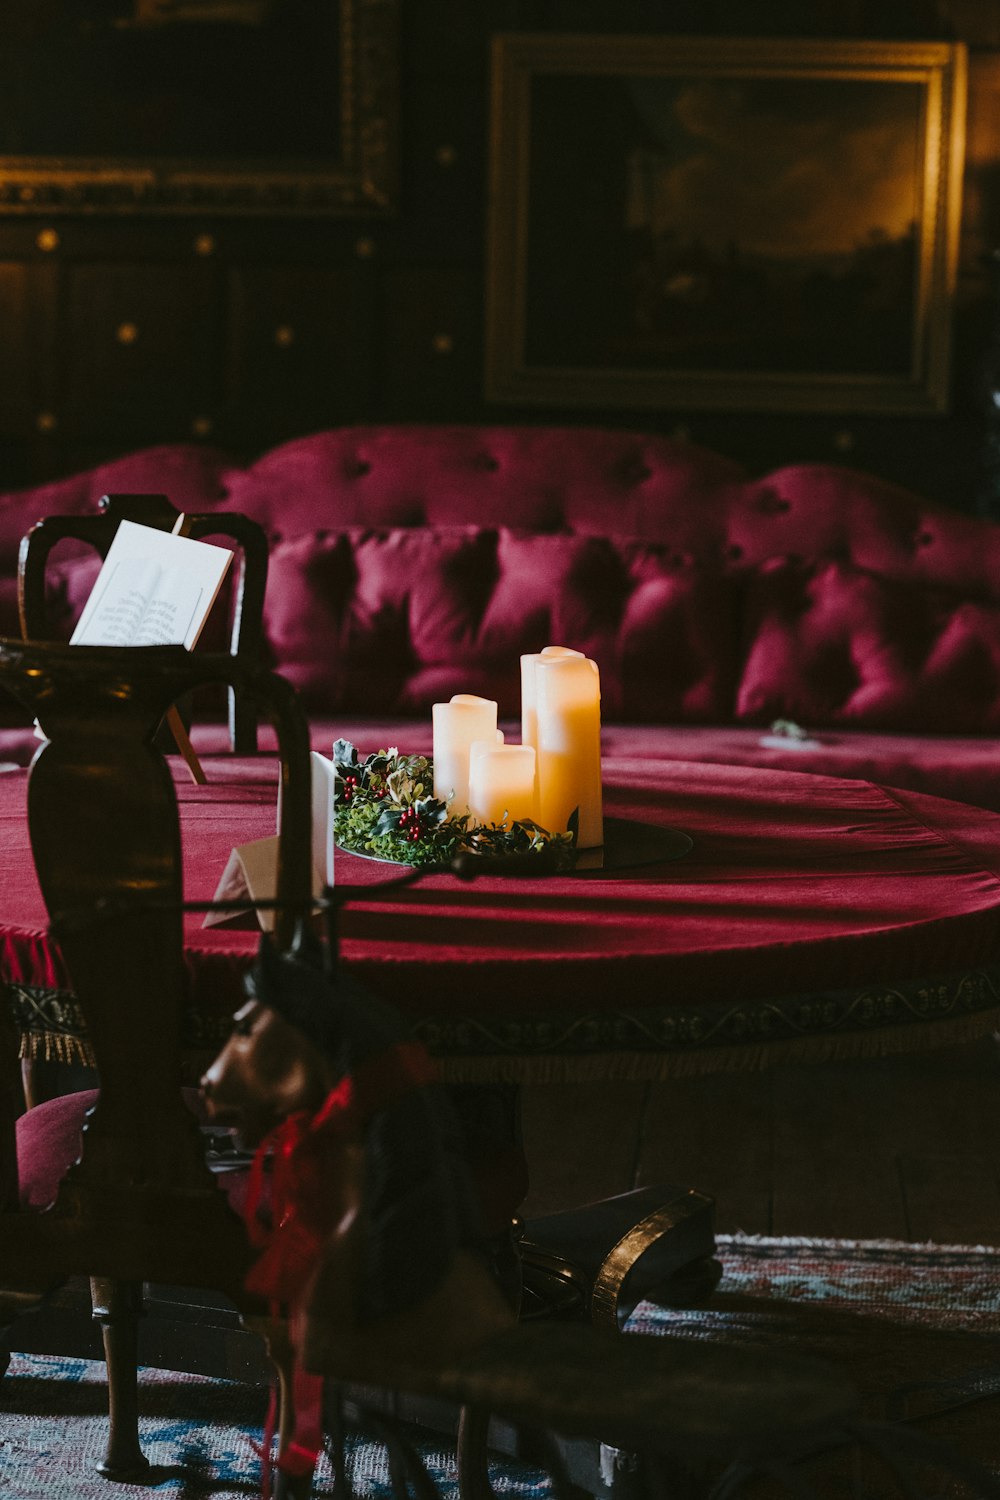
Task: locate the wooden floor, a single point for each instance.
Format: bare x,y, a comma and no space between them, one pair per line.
897,1148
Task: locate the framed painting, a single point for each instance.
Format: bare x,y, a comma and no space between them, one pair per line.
198,106
678,222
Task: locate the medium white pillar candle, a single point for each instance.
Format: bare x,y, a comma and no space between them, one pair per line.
568,706
529,691
477,748
456,725
501,783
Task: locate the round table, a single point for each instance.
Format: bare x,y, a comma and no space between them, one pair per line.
814,917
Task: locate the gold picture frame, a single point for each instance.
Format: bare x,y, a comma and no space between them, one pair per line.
128,107
723,223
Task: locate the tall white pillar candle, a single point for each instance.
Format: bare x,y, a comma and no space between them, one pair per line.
456,725
568,706
501,783
529,693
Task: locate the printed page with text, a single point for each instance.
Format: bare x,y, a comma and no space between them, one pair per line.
154,589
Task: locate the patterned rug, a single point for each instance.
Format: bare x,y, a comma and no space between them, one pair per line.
201,1438
918,1328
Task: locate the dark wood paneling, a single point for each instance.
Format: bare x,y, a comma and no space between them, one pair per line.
904,1147
139,348
301,355
446,35
444,185
581,1141
433,354
25,303
716,1134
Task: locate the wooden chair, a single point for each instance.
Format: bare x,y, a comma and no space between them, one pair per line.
246,623
246,629
135,1200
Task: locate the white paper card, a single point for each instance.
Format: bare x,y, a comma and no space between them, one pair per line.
154,589
323,774
787,742
252,869
251,872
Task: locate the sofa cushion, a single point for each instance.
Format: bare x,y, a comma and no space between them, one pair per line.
676,646
347,614
836,645
959,687
389,622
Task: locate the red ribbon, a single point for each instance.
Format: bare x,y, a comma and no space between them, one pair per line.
300,1158
298,1457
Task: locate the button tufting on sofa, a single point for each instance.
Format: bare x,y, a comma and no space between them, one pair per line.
634,471
773,505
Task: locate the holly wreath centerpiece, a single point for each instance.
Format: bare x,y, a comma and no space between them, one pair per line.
385,808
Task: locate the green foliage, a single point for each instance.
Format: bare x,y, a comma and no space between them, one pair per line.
385,806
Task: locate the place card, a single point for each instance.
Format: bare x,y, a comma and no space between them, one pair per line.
324,774
251,872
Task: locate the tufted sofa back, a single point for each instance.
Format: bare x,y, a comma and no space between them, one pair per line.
412,562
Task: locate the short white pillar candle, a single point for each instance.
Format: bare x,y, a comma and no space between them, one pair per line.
568,705
456,725
501,783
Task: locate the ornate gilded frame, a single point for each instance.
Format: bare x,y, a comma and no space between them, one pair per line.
534,254
361,177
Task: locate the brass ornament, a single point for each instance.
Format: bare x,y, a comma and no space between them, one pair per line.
630,1248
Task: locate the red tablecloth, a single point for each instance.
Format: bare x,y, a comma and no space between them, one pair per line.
814,915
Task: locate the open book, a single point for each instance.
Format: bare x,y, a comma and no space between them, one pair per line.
154,589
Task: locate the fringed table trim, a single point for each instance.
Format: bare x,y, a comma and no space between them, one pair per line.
51,1024
674,1041
49,1047
53,1029
646,1067
648,1044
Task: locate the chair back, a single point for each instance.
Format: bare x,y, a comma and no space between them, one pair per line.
98,531
140,1203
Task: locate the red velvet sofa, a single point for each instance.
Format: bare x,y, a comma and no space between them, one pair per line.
409,563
